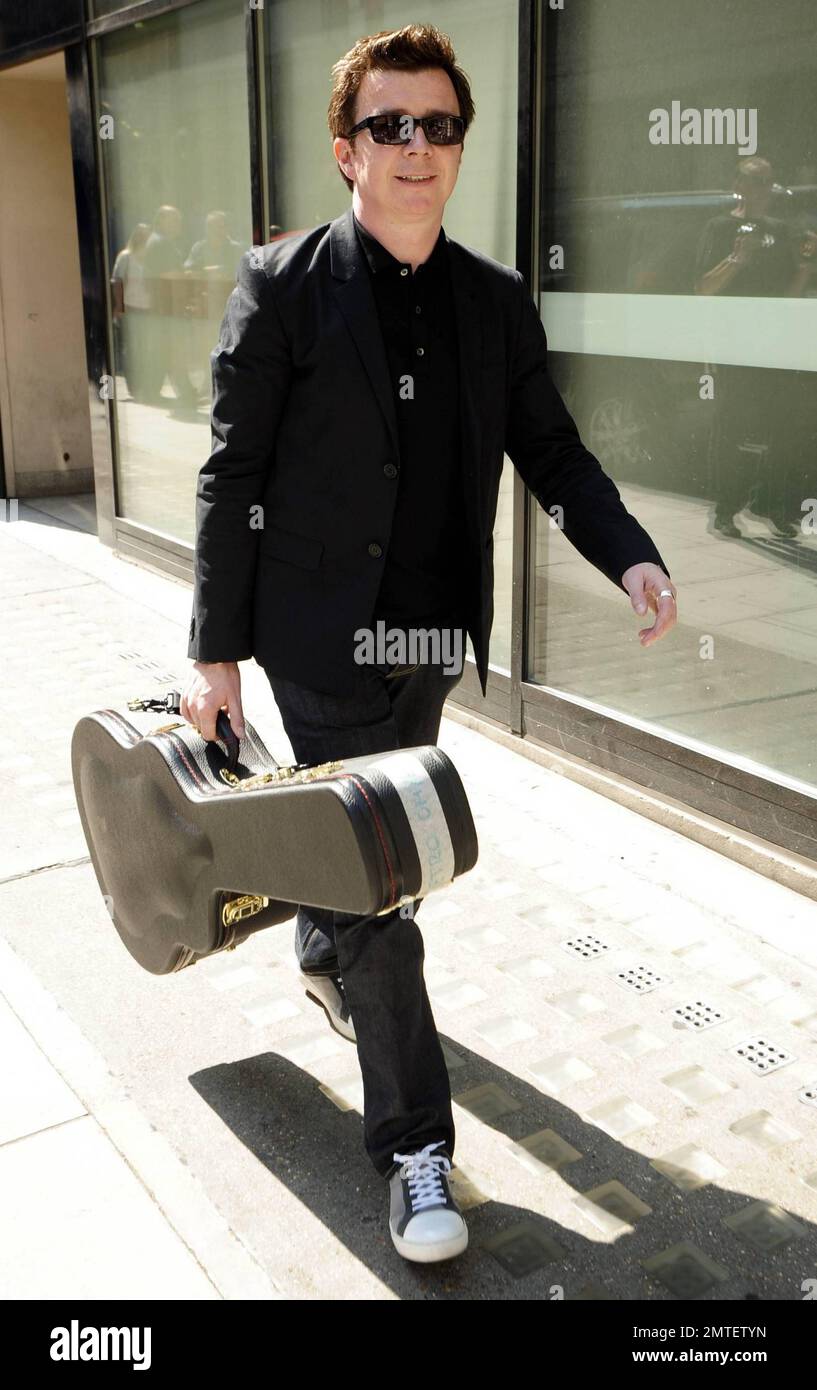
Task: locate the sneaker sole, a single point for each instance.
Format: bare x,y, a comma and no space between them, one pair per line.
433,1251
336,1027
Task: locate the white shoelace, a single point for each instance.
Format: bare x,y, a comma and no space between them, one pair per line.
423,1171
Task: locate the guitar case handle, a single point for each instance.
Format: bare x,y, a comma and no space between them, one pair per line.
225,732
170,704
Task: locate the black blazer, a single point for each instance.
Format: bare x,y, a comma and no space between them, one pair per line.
303,424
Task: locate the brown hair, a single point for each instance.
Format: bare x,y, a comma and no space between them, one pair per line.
756,168
410,49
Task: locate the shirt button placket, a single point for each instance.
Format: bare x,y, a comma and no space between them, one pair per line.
418,332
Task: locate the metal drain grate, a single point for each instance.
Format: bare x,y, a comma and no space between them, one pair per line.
699,1015
585,946
148,665
761,1055
639,978
808,1095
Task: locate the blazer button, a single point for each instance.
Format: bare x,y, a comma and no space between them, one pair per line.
374,549
389,470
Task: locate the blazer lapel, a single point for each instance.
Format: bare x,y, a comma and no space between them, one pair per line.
470,333
353,292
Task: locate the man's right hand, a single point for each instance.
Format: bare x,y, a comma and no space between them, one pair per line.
213,685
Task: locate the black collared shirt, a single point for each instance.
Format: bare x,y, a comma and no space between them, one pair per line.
425,566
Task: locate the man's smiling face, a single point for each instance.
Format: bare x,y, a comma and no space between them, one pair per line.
387,178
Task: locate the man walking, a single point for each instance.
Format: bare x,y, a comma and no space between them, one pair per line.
369,376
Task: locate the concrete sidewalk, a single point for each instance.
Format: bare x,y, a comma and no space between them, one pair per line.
629,1020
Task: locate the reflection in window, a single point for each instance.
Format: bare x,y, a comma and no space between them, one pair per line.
678,287
172,95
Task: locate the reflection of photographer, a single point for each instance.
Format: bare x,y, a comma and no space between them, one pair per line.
210,269
165,282
130,305
746,252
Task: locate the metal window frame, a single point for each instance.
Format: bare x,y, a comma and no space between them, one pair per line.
502,703
127,15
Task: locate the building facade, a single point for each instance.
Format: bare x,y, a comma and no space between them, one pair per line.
650,166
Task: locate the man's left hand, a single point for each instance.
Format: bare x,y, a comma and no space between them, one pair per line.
644,584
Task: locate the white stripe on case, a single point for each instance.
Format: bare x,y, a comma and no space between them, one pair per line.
425,816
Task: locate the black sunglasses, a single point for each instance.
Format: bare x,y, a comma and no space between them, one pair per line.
399,130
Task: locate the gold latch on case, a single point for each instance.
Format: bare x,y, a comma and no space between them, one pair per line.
280,776
245,906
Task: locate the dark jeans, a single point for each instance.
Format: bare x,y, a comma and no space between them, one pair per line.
406,1091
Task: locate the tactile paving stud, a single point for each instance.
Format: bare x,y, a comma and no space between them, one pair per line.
458,994
453,1060
585,946
765,1225
808,1023
523,1248
497,888
560,1070
487,1102
685,1270
695,1085
312,1048
576,1003
639,978
465,1190
633,1041
620,1117
698,1015
764,1130
475,937
263,1012
505,1031
525,968
761,1055
544,1149
346,1092
611,1207
689,1167
762,988
718,962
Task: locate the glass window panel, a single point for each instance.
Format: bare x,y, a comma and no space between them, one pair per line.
679,294
172,94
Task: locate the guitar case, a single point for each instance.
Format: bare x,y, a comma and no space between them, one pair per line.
197,847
